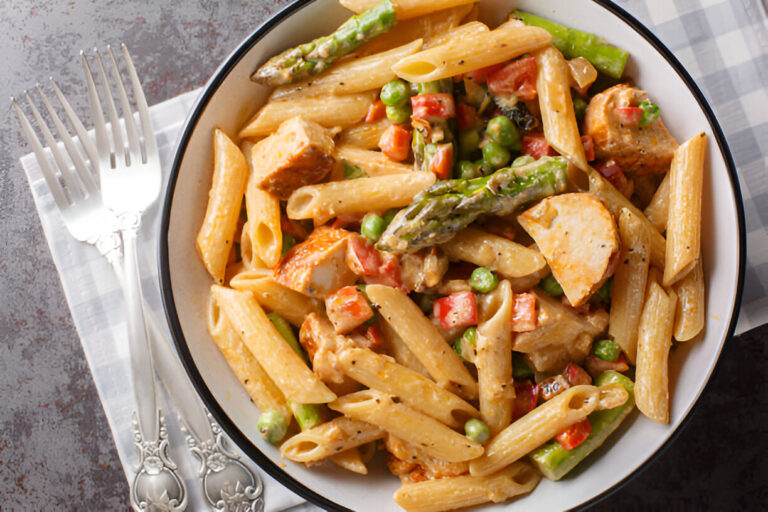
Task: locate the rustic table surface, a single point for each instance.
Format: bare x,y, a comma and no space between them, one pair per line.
56,450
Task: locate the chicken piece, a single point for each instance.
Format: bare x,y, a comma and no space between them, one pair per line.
578,237
299,153
348,309
636,149
316,267
411,464
322,344
423,269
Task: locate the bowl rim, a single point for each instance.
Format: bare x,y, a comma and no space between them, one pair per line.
169,305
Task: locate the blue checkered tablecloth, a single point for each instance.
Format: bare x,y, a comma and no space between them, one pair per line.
722,43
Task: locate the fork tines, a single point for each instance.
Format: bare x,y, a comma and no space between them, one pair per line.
72,173
140,144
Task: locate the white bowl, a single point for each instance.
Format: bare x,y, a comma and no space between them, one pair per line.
230,98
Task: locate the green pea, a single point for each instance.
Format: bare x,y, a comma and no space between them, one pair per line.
606,350
650,112
272,426
501,130
496,155
603,294
579,107
520,369
483,280
288,242
372,227
522,160
352,172
470,336
457,349
398,114
468,170
550,285
476,430
469,141
395,93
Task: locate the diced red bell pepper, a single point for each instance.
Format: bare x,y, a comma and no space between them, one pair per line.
552,386
536,146
574,435
442,162
576,375
388,273
362,257
376,338
347,309
613,173
376,111
437,104
395,142
524,317
456,310
466,116
596,366
589,147
517,77
629,116
526,396
480,76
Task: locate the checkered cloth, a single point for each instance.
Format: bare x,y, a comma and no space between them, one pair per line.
722,43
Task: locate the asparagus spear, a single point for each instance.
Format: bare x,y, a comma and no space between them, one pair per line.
307,415
316,56
575,43
437,213
554,461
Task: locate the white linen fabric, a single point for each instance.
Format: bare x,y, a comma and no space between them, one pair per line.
722,43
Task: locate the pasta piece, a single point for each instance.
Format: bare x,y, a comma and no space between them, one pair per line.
423,339
374,163
329,438
250,260
216,236
508,258
558,117
262,390
469,52
291,305
465,491
493,358
263,209
380,373
328,111
405,9
327,200
654,339
628,288
686,176
535,428
553,358
364,135
689,317
350,76
400,351
386,411
658,208
282,364
350,460
615,201
466,30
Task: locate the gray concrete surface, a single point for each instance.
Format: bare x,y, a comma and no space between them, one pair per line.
56,452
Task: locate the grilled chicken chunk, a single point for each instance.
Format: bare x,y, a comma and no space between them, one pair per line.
578,237
636,149
299,153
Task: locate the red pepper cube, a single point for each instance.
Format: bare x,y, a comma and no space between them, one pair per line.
629,116
576,375
574,435
480,76
456,310
395,142
347,309
517,77
362,258
436,104
376,338
536,146
524,316
442,163
589,147
466,116
526,396
376,111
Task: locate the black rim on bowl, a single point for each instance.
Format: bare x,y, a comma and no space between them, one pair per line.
164,261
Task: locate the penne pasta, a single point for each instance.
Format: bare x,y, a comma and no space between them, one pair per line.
282,364
628,288
387,412
382,374
327,200
405,9
350,76
689,314
466,30
653,343
686,177
329,438
466,53
350,460
493,361
364,135
374,163
328,111
658,208
290,304
466,491
400,351
263,226
508,258
215,238
423,339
